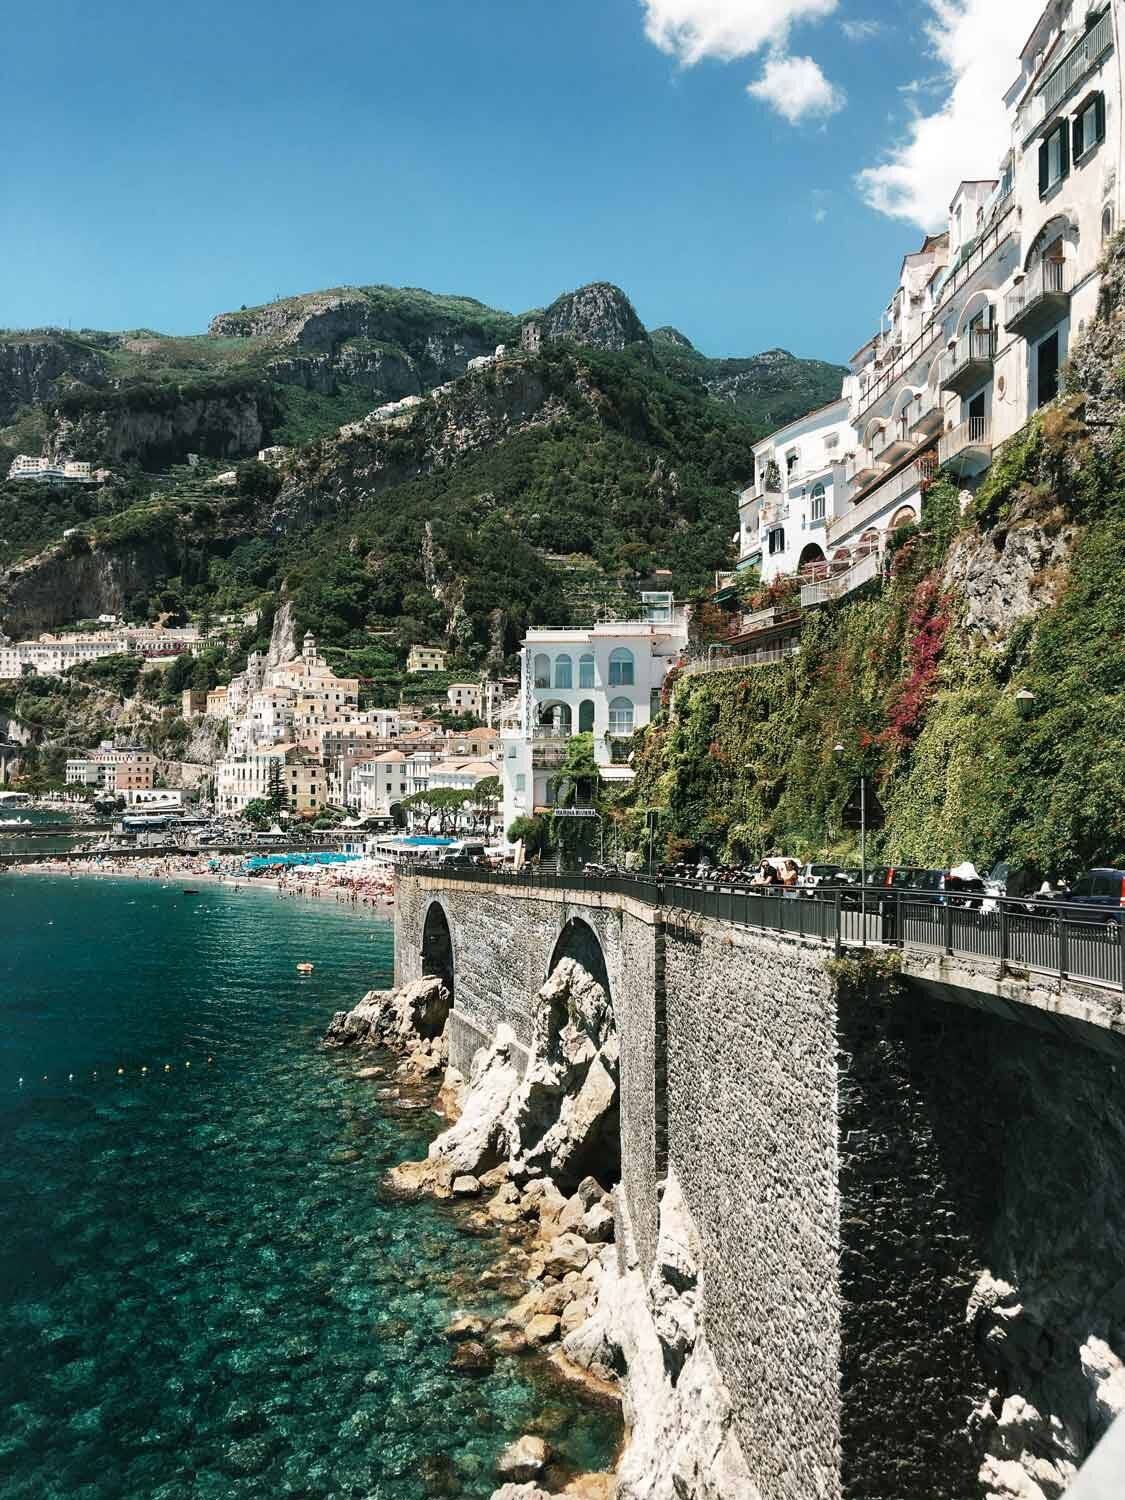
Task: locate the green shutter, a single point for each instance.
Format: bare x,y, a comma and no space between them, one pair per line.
1064,151
1100,102
1077,143
1042,169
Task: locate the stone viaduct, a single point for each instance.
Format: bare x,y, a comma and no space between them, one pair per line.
909,1187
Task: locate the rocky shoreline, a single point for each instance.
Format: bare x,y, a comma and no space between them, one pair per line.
535,1153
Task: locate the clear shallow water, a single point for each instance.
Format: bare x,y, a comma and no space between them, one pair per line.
203,1292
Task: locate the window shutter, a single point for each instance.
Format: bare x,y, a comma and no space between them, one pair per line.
1042,169
1064,151
1077,144
1100,104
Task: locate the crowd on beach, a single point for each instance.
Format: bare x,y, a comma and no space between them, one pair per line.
360,882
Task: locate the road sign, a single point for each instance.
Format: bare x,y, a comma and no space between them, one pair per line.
575,812
874,810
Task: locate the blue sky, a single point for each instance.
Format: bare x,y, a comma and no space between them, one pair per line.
169,162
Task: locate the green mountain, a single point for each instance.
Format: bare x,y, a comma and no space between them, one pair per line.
525,489
771,388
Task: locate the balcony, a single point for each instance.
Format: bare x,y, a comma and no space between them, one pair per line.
548,750
968,365
896,441
854,577
1041,300
1082,58
966,449
926,416
774,512
873,506
863,468
766,619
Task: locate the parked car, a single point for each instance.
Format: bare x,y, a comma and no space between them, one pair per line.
462,854
1101,892
1010,880
815,876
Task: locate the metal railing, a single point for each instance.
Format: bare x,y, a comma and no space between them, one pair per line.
855,577
975,346
1063,939
975,433
1079,61
744,659
1049,278
989,241
910,355
885,494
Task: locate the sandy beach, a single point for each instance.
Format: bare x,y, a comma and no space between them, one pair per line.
358,884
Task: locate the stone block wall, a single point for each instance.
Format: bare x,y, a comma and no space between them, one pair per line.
752,1140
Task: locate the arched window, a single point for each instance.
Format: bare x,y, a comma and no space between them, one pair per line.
542,671
586,671
903,517
562,671
816,502
620,716
621,668
586,716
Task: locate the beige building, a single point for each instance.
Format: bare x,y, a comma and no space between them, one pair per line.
426,659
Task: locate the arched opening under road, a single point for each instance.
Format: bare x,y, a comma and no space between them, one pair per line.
437,946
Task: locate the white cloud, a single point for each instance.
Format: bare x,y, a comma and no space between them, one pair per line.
796,88
977,43
861,31
725,29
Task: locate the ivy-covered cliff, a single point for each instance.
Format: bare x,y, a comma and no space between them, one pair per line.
917,676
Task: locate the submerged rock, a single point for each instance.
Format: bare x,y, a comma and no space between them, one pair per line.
523,1460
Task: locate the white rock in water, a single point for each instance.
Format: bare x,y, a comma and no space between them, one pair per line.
524,1459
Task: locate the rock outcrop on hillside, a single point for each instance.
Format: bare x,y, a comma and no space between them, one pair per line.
599,315
36,368
163,430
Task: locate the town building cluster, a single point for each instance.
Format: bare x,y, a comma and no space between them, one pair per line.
125,772
975,333
52,655
38,470
296,733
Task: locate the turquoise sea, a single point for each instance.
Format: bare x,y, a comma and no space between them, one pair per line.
204,1291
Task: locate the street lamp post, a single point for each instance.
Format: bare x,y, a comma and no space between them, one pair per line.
839,750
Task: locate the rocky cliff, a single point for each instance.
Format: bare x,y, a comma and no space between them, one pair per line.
163,428
36,368
599,315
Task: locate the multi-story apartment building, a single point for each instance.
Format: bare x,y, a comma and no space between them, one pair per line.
120,771
49,470
798,488
604,681
973,338
51,656
252,777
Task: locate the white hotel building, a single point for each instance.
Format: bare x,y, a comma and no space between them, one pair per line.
982,319
604,681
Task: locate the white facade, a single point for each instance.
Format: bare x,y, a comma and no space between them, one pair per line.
604,681
49,470
798,488
51,657
983,315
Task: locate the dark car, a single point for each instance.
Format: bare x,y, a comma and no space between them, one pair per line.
1012,881
1101,892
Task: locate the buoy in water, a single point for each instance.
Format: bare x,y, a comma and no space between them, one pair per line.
304,968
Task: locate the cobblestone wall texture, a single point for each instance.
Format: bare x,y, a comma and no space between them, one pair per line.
752,1140
504,944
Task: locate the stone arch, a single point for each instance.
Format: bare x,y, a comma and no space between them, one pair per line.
438,956
985,298
812,562
1057,227
905,400
904,516
579,941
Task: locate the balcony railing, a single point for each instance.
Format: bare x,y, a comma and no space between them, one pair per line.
859,573
764,619
910,355
973,437
1039,300
774,513
990,238
1079,61
969,362
879,499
